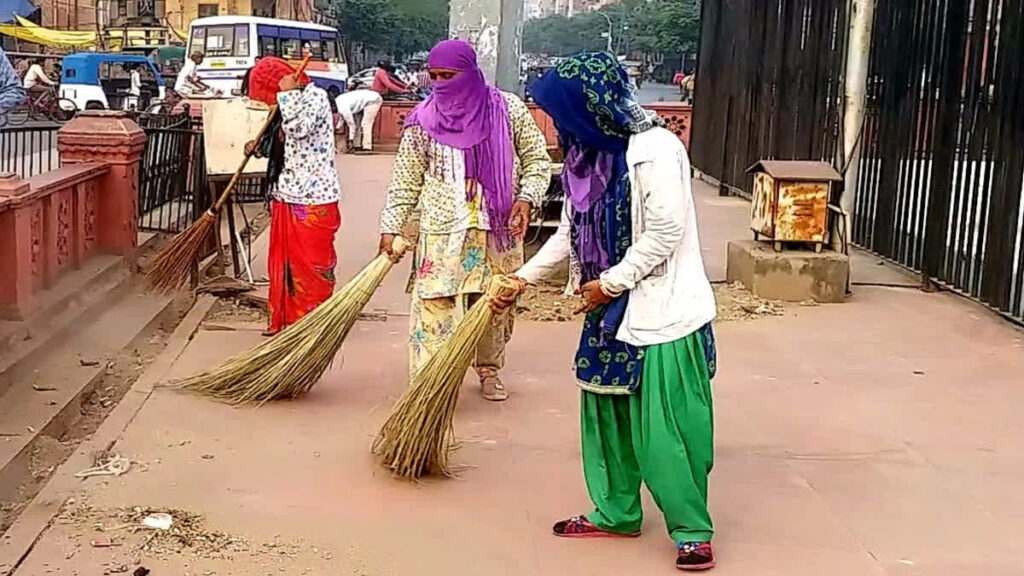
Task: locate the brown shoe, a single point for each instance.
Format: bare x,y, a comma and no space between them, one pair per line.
492,388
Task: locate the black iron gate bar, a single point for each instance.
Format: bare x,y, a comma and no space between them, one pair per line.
942,166
29,150
769,84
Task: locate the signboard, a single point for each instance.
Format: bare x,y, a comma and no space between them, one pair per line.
227,126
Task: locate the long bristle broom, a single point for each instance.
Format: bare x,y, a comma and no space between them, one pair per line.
289,364
417,436
170,267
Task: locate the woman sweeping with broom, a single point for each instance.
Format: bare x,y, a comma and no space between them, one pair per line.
304,214
646,354
475,162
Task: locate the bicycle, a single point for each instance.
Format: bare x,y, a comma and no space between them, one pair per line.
47,105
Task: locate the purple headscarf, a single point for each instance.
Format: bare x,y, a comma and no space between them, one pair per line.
467,114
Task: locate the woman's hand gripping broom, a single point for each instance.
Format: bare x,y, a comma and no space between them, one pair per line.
170,267
289,364
417,436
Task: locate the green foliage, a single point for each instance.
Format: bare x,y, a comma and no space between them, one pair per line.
666,26
397,27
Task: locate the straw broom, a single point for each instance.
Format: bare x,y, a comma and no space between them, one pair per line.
417,436
289,364
170,267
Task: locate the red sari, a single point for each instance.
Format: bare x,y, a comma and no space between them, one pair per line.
302,259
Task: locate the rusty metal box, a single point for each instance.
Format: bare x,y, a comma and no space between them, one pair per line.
790,202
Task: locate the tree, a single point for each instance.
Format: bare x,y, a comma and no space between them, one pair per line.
666,26
397,27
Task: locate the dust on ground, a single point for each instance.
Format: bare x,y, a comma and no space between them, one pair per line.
190,539
120,373
548,303
236,310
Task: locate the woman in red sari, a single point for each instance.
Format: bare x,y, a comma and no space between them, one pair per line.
304,215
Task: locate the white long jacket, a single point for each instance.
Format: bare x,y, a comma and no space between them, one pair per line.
670,296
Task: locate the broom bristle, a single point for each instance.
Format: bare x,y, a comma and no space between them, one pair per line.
289,364
418,435
171,266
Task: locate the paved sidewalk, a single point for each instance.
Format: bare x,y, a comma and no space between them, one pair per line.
880,436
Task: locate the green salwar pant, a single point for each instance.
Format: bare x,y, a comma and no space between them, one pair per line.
662,435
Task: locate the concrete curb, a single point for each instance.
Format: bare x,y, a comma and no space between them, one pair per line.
22,536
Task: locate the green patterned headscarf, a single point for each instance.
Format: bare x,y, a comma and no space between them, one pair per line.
590,98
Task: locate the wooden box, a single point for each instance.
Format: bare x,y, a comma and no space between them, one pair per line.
790,202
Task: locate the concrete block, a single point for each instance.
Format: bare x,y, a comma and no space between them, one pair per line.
790,276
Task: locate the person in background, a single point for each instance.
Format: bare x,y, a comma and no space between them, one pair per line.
131,101
36,81
384,81
474,161
646,352
12,93
351,103
188,82
423,78
304,214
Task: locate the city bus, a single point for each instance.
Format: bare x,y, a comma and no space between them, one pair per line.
230,46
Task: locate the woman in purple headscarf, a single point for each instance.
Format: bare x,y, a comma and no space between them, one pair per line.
473,162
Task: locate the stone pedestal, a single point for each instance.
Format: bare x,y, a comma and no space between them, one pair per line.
790,276
110,137
17,240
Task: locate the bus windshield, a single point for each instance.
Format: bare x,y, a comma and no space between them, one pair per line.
221,41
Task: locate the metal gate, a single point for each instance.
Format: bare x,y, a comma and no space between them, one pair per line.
942,148
29,151
172,175
768,84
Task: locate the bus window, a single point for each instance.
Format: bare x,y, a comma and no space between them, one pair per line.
242,40
315,48
198,42
291,48
331,52
268,46
219,41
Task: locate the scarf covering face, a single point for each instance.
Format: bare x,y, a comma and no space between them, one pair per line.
467,114
589,98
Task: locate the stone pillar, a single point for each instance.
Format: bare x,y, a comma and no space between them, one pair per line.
110,137
495,29
16,245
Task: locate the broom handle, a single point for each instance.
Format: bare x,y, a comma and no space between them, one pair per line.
219,205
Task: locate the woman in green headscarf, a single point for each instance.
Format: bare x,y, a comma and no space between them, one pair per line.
646,354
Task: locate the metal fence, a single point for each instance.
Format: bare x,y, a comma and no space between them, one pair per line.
769,84
942,148
173,181
29,150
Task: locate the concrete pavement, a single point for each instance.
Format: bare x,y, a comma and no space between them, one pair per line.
879,436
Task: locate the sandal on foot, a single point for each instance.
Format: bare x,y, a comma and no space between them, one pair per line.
695,556
580,527
492,389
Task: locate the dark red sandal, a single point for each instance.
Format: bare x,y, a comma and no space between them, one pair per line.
695,556
580,527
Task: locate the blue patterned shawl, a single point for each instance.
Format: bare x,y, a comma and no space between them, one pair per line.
589,98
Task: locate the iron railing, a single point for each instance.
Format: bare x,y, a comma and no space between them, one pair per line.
29,150
768,85
172,179
942,158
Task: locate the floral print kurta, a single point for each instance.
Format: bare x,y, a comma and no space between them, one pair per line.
309,175
452,253
455,253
